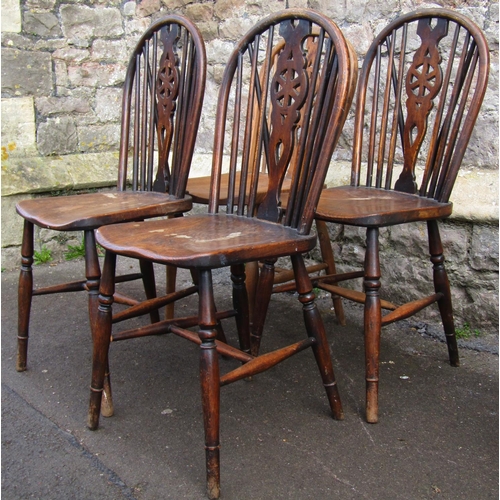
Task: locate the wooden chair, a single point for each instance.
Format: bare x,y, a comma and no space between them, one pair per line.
420,90
241,232
199,189
161,107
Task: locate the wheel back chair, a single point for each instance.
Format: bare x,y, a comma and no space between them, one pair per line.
199,189
419,94
161,106
310,81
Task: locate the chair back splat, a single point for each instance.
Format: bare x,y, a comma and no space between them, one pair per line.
164,85
277,124
422,83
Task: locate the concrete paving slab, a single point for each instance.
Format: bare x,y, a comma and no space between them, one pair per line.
437,437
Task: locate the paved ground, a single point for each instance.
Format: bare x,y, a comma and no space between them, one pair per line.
437,437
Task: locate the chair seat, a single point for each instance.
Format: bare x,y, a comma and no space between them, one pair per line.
199,188
90,211
363,206
206,240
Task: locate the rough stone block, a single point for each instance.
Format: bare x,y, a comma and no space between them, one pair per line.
200,12
227,9
80,23
147,7
44,24
96,75
112,51
48,106
71,54
57,136
484,248
26,73
18,127
45,174
99,138
108,104
11,16
40,5
12,223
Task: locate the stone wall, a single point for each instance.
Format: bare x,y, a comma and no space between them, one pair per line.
63,64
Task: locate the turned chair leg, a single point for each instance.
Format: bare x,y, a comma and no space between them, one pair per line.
372,323
93,275
209,378
315,328
101,338
241,305
265,286
149,283
325,246
25,295
442,285
171,277
252,278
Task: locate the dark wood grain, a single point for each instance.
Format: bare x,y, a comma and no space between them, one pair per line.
420,90
290,78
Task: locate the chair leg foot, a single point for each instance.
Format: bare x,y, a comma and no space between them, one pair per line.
213,473
107,408
371,402
94,409
22,354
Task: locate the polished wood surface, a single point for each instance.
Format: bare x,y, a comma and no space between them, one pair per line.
284,119
161,108
420,90
362,206
200,241
90,211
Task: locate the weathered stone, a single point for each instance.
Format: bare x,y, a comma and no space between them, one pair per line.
40,5
99,138
62,80
45,174
176,4
108,104
227,9
96,75
80,23
43,24
77,21
25,73
235,28
18,127
11,16
12,224
57,136
70,54
484,248
49,106
147,7
110,50
136,26
209,30
200,12
129,9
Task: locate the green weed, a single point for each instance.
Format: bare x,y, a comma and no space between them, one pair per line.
75,251
43,256
465,332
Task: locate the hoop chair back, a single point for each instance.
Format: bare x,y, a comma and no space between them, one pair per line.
421,85
263,99
165,82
